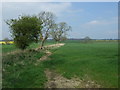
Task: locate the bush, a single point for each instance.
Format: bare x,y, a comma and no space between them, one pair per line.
25,30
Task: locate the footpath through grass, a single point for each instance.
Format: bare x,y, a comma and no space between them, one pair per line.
96,60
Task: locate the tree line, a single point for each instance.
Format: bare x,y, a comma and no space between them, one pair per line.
27,29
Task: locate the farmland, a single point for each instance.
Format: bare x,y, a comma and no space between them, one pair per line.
97,60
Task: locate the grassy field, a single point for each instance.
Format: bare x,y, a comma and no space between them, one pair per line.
97,60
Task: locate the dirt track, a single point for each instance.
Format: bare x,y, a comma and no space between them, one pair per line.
56,80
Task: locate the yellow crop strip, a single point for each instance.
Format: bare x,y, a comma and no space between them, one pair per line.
10,42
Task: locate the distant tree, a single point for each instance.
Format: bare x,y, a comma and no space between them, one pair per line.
63,38
86,39
25,29
59,31
48,20
6,40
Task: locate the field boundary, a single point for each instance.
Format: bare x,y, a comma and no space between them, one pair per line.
48,53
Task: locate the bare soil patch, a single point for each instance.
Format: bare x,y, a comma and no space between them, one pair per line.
58,81
51,46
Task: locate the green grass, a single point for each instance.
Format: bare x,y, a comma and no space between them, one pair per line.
97,60
9,48
20,70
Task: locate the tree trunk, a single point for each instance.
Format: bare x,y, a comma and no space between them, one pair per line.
42,43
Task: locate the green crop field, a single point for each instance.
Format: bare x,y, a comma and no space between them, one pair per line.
97,60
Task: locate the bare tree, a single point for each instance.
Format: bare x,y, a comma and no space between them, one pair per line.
59,31
48,20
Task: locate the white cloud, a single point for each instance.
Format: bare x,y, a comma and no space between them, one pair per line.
57,8
97,22
93,22
109,26
111,21
13,10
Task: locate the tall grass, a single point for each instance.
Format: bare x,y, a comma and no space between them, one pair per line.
20,71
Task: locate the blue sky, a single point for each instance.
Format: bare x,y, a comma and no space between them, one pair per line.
97,20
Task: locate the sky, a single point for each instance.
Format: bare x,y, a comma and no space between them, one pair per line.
98,20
